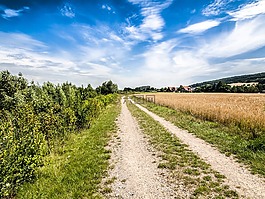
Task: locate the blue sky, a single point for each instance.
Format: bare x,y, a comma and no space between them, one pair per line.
132,42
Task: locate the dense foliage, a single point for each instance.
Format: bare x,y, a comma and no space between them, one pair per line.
107,88
33,119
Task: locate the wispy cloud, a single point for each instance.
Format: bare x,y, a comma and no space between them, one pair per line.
215,8
67,11
9,13
200,27
249,11
153,22
237,67
245,37
15,40
165,62
23,53
22,50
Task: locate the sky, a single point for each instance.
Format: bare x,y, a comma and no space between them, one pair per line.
132,42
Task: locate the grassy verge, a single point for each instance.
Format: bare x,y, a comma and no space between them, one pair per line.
77,169
199,180
227,139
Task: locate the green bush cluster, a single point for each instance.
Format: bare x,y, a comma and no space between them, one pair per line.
34,118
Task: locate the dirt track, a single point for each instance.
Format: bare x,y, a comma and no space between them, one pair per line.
238,177
136,172
135,165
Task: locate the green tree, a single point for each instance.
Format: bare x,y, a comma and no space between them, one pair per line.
107,88
181,89
10,85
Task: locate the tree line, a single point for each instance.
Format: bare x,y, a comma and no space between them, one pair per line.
226,88
34,119
220,87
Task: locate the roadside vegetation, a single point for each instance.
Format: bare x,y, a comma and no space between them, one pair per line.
36,121
187,171
76,170
230,139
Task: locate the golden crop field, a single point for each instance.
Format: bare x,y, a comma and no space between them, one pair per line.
244,110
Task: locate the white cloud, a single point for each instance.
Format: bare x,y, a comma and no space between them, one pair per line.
245,37
215,8
238,67
200,27
135,33
152,23
187,59
15,40
96,70
115,37
249,11
67,11
158,56
106,7
90,60
9,13
21,53
166,64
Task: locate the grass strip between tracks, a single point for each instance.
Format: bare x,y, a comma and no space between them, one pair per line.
226,138
186,169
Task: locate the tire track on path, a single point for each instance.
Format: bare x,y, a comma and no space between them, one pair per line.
238,177
135,171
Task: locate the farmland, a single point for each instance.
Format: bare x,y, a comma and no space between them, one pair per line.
234,123
246,111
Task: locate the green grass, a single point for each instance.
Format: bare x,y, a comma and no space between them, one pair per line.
196,175
77,169
228,139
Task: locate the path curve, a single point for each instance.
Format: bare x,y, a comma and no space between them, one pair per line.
135,170
238,177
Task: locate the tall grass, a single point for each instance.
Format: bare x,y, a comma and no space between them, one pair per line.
246,111
77,169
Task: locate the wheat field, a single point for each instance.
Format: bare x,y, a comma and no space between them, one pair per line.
246,111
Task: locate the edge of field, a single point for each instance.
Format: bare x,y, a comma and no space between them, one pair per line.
225,138
77,169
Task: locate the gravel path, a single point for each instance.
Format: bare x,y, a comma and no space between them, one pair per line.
135,165
238,177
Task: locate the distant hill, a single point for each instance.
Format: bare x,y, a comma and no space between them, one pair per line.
257,77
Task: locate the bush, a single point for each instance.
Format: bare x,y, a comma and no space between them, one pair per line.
33,118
